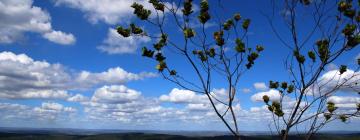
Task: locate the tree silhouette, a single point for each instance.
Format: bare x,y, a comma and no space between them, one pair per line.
222,52
334,31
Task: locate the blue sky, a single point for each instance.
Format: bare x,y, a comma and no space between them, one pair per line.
69,82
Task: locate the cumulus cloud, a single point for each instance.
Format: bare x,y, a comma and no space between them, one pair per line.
47,111
108,11
18,17
60,37
116,44
183,96
115,94
345,101
274,95
260,86
23,77
332,82
77,98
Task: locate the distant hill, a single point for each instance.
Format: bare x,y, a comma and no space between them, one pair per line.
78,134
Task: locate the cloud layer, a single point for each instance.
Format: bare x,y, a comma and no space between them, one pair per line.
19,17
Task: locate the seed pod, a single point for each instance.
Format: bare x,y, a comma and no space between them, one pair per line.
246,24
343,69
311,54
343,118
173,72
237,17
284,85
327,116
290,89
259,48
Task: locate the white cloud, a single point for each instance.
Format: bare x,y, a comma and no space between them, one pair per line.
246,90
18,17
115,94
346,82
260,86
23,77
183,96
115,75
116,44
345,101
52,106
274,95
60,37
77,98
108,11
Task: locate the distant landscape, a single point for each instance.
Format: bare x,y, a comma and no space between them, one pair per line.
80,134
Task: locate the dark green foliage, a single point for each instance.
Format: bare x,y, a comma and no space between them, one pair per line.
246,24
266,99
342,69
305,2
227,25
312,56
343,118
237,17
159,57
123,31
290,89
327,116
343,6
162,42
161,66
211,52
173,72
218,36
353,41
323,49
251,59
157,5
187,8
284,85
147,53
135,30
259,48
358,106
350,13
189,33
204,14
240,46
140,11
331,107
277,109
349,29
274,85
300,58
